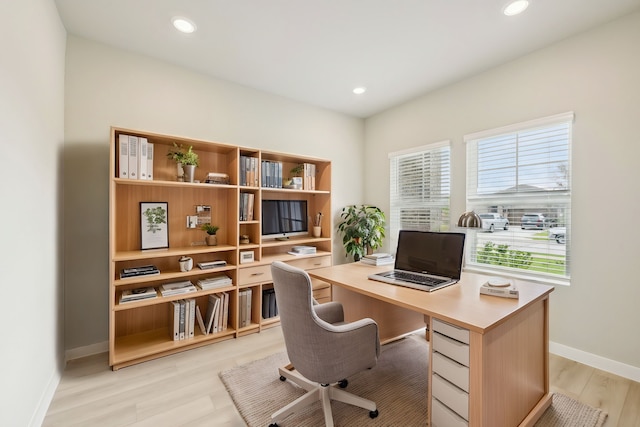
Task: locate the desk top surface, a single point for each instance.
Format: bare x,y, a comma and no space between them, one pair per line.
460,304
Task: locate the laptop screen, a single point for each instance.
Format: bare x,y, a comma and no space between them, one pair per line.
429,252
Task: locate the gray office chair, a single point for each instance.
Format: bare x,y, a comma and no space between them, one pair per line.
322,349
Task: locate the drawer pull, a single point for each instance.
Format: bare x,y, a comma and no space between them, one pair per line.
257,274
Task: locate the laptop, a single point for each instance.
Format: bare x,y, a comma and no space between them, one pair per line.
425,260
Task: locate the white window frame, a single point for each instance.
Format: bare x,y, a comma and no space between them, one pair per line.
433,194
517,200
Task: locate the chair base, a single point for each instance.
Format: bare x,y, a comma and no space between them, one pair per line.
323,393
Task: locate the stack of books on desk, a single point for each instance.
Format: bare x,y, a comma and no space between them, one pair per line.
214,282
177,288
378,259
302,250
145,270
500,287
138,294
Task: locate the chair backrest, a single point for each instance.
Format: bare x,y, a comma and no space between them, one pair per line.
309,340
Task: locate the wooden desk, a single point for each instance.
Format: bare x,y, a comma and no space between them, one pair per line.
508,367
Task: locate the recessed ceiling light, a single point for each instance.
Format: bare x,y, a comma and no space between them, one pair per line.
515,7
183,24
359,90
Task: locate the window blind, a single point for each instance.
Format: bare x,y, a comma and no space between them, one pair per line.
420,189
522,172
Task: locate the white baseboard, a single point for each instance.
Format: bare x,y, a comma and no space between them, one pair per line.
595,361
89,350
45,400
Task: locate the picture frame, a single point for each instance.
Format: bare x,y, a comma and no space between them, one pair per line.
154,225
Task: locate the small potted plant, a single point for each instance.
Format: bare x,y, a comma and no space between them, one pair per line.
186,161
212,239
362,228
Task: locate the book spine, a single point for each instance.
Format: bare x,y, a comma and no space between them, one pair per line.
123,156
174,318
182,318
192,317
133,157
150,149
142,158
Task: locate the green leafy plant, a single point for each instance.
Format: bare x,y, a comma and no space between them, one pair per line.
210,229
155,217
502,255
297,170
362,228
181,155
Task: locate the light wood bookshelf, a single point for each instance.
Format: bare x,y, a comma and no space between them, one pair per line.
139,331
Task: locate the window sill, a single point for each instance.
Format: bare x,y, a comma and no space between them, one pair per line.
553,281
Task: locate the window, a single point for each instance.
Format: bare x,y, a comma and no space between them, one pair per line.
522,173
420,189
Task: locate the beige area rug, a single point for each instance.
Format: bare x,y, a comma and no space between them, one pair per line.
398,385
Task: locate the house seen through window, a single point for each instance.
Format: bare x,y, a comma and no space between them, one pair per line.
519,182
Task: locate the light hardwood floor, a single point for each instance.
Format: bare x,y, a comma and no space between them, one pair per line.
184,389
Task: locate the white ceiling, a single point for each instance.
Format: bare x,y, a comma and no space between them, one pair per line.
317,51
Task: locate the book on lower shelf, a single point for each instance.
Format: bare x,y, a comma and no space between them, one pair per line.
182,317
144,270
215,282
177,288
217,314
500,287
138,294
269,306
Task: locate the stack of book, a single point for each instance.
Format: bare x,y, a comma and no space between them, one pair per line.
378,259
217,314
138,294
249,171
214,282
244,307
246,206
207,265
135,157
145,270
177,288
302,250
500,287
269,306
182,314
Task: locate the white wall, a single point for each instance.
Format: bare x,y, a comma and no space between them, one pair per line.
32,43
596,76
110,87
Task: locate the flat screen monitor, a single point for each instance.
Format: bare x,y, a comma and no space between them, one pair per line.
284,218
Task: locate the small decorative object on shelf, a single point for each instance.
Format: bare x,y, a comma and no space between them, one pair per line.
244,239
187,160
186,263
212,239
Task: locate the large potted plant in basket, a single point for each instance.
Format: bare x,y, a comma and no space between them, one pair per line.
362,228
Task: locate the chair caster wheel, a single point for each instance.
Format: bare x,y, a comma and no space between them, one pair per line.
373,414
282,378
273,425
343,384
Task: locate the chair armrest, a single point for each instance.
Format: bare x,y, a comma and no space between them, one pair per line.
330,312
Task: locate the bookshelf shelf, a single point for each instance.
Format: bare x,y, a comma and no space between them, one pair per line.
139,330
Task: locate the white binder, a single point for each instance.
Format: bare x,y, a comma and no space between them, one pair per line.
123,153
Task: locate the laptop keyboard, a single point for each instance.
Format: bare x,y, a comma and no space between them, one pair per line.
417,278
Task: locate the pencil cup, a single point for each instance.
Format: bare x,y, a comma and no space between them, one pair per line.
317,231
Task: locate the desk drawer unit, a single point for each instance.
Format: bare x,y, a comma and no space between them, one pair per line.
450,375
